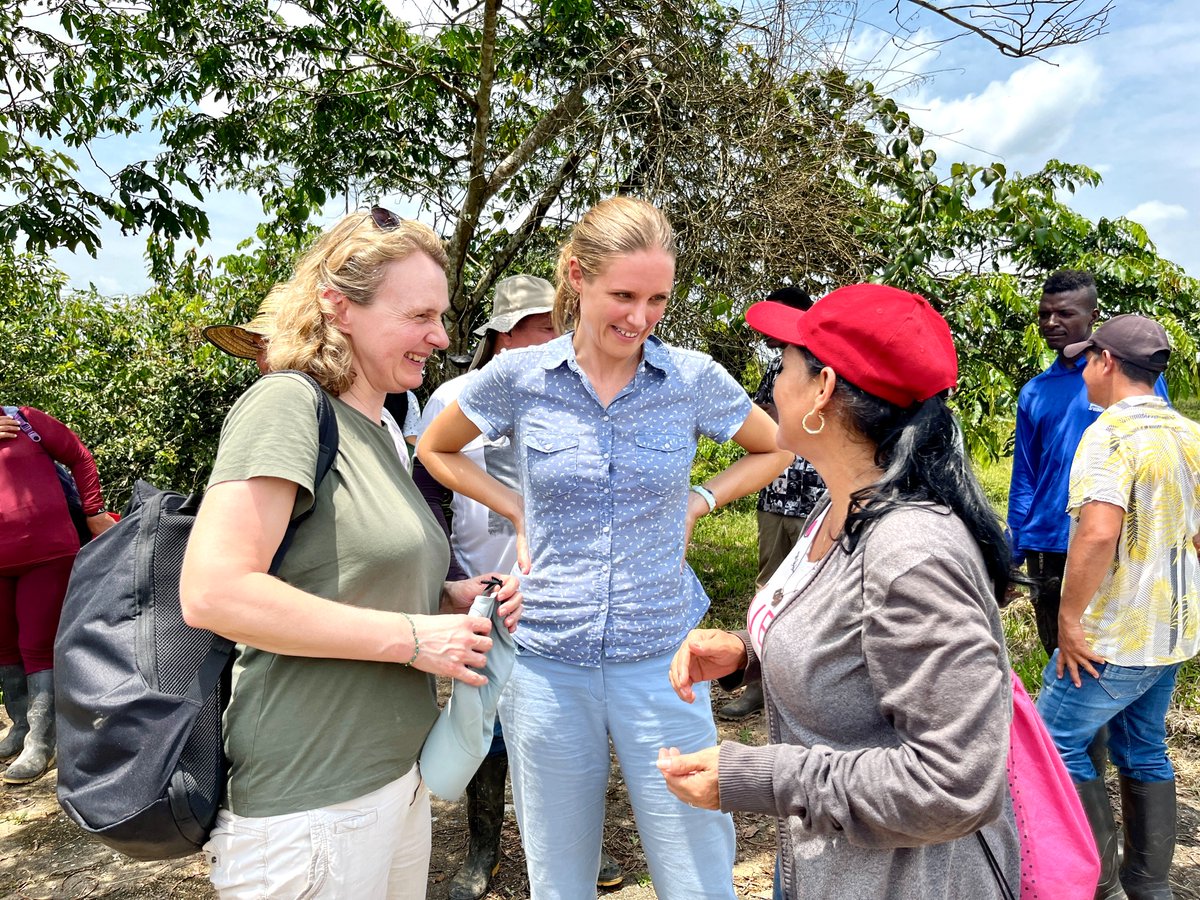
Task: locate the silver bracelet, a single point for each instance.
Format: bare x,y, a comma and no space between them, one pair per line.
416,640
707,495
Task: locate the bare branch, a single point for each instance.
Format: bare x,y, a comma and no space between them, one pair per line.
1025,28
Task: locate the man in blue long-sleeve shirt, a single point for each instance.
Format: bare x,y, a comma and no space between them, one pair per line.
1052,413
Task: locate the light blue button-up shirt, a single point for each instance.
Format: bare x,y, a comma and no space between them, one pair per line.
606,493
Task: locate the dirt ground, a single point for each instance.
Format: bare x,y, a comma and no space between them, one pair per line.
44,856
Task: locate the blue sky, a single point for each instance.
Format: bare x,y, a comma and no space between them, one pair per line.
1122,103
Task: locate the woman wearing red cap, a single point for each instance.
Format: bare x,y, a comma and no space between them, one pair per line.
878,640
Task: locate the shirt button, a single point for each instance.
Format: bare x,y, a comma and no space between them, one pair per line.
606,456
606,418
605,529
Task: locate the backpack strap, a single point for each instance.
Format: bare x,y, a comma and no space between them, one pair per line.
327,436
994,866
13,413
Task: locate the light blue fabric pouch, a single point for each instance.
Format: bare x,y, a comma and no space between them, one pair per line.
462,734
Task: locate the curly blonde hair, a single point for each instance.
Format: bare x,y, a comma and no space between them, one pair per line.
613,227
349,258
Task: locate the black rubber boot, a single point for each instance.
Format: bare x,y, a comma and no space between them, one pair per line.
610,875
16,704
1098,751
485,816
749,703
1148,815
38,752
1099,813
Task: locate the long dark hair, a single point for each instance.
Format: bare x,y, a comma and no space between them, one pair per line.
921,454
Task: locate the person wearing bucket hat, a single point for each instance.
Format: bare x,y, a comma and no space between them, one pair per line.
481,541
605,422
515,304
1130,600
878,640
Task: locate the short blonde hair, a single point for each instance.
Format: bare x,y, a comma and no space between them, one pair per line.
613,227
349,258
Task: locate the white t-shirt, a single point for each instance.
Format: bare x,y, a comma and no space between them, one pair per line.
481,540
781,588
412,417
402,448
412,427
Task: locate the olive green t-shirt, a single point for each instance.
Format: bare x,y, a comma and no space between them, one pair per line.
301,732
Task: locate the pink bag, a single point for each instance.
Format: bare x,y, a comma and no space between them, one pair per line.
1059,860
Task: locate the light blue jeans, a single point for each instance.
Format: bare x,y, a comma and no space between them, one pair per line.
558,719
1131,700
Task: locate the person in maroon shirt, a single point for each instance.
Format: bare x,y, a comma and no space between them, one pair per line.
38,543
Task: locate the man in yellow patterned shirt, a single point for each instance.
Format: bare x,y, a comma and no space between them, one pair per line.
1130,600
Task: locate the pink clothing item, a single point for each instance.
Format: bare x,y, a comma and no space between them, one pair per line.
35,524
1058,854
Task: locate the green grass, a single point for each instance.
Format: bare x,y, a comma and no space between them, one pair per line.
724,555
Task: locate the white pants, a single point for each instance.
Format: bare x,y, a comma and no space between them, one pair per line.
375,846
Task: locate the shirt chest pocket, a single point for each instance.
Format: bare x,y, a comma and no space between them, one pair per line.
663,460
552,460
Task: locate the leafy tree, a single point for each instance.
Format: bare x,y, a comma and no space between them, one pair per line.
980,242
503,123
129,375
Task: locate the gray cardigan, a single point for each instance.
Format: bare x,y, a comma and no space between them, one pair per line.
888,705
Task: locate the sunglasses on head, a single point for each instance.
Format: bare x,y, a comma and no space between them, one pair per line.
384,219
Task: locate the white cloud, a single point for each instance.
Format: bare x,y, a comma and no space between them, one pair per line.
1155,212
1033,112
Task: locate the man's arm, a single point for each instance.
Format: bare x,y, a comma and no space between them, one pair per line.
1089,559
1024,477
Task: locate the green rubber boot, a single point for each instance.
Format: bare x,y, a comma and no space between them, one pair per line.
38,752
16,704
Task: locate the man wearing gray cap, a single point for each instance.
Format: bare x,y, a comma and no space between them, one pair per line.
481,541
1130,608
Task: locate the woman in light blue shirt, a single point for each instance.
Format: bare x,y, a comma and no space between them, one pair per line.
605,421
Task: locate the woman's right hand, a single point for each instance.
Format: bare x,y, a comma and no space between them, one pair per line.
453,646
707,653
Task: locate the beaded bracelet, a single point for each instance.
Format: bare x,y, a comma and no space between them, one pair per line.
416,640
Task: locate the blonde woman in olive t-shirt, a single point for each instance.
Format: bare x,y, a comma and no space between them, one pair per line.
332,695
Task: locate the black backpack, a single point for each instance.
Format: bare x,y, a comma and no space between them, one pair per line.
139,693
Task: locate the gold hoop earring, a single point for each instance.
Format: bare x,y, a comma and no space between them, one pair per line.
819,428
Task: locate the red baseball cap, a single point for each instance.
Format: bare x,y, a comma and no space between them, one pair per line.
888,342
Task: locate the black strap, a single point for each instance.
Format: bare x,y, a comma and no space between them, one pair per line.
327,437
995,867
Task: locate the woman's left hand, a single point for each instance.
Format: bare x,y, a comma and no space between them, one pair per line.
692,777
457,596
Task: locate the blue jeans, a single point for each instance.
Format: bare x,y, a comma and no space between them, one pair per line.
558,720
1131,700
